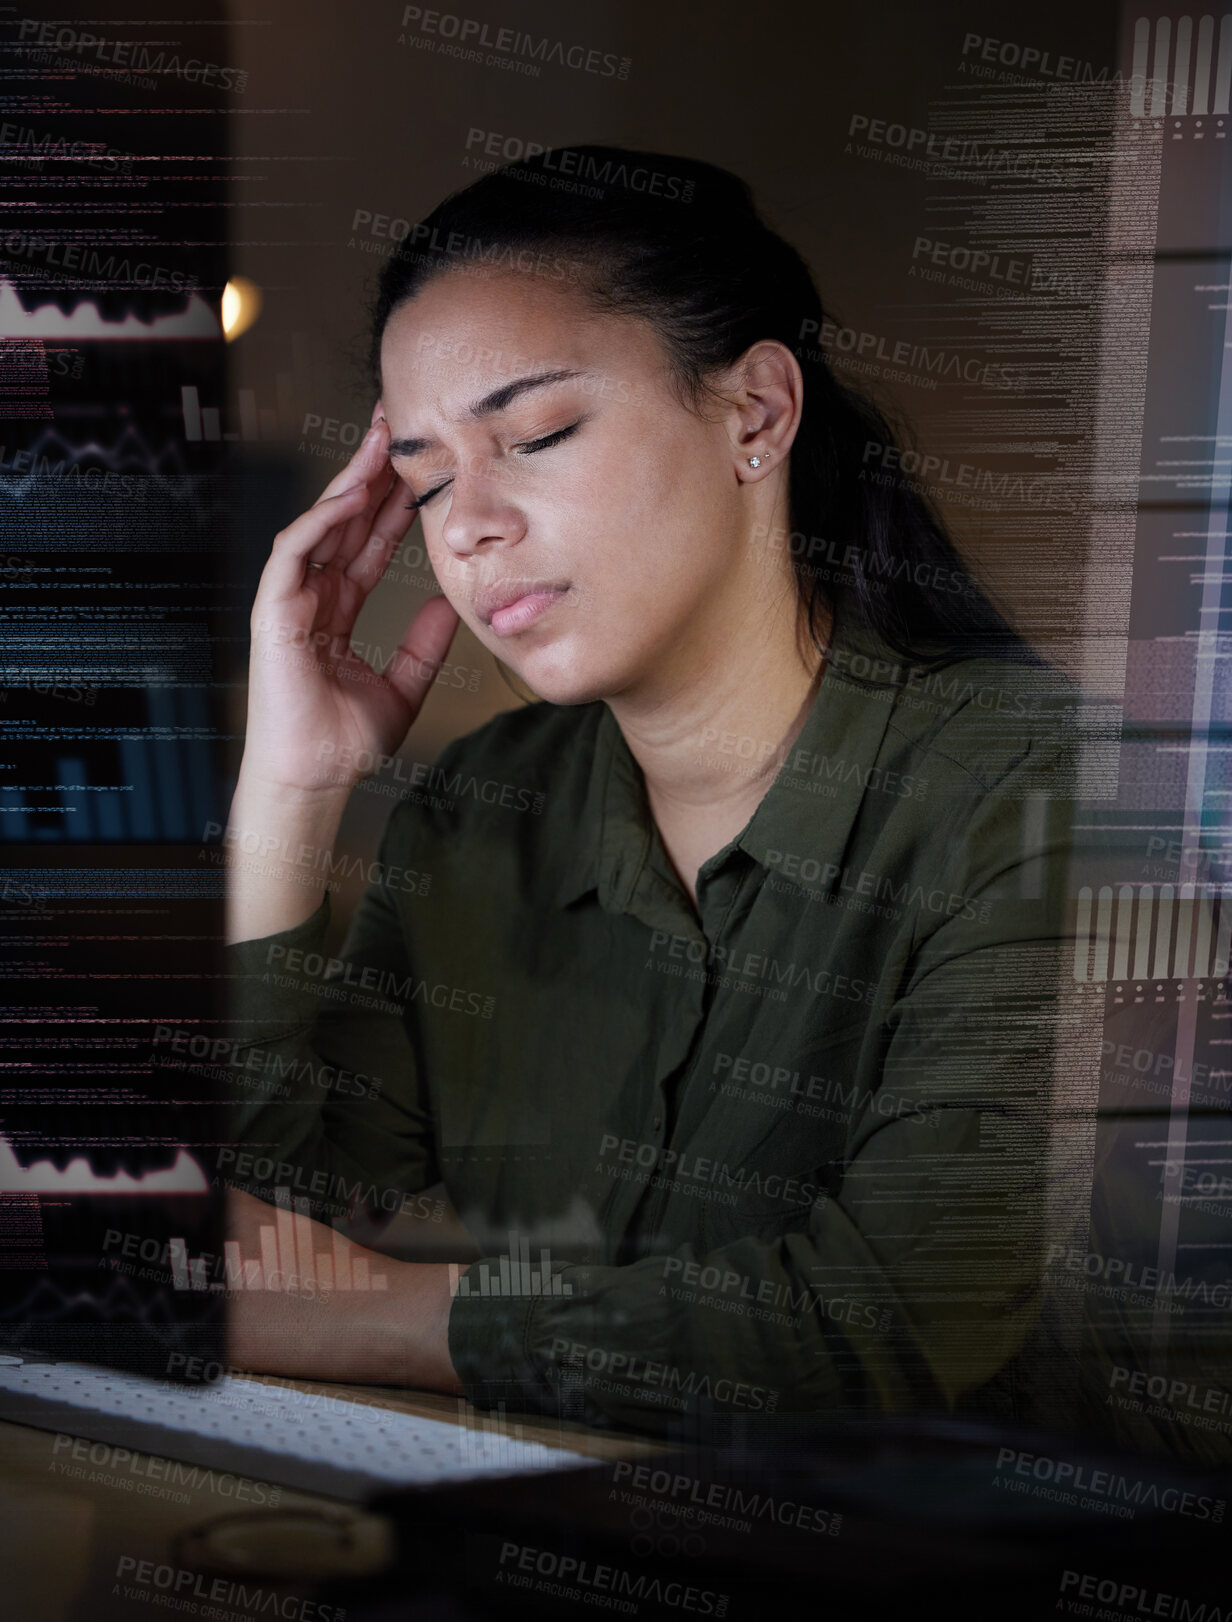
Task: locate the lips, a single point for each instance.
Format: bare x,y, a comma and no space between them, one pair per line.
512,606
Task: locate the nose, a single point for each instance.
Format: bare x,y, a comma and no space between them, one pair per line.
481,514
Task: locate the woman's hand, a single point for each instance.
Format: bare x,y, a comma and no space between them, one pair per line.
398,1335
317,712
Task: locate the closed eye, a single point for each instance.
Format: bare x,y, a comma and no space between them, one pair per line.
414,506
527,449
533,445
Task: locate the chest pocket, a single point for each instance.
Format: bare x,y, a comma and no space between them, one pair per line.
787,1152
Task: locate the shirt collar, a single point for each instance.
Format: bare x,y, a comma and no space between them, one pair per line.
809,807
611,834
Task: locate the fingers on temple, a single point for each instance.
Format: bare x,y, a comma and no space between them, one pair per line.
419,655
365,564
370,455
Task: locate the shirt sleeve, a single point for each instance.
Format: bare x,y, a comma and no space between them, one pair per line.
325,1094
916,1275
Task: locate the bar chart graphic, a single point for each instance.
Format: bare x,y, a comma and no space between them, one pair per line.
515,1274
203,422
1189,74
292,389
287,1262
490,1436
1143,932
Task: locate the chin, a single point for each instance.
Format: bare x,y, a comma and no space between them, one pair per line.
561,678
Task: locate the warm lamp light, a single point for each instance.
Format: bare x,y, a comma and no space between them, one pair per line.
241,305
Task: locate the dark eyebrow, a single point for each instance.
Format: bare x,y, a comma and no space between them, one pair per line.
488,406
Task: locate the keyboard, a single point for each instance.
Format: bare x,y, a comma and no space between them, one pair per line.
345,1446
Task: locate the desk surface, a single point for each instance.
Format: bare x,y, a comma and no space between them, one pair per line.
72,1517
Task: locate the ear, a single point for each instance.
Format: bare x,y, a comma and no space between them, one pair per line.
768,402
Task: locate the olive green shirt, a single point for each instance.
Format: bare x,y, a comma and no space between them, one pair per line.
783,1152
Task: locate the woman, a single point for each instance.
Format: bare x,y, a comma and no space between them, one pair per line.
724,973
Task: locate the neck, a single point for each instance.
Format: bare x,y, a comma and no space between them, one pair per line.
710,749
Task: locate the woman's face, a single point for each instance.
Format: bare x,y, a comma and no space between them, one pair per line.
588,528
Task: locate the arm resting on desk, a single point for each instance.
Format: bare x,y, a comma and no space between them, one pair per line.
395,1336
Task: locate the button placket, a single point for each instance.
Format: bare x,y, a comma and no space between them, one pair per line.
718,895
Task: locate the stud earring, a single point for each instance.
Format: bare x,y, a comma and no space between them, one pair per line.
755,461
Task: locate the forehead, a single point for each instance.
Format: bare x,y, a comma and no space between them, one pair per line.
465,333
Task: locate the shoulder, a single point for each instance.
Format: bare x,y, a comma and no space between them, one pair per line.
970,723
985,719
